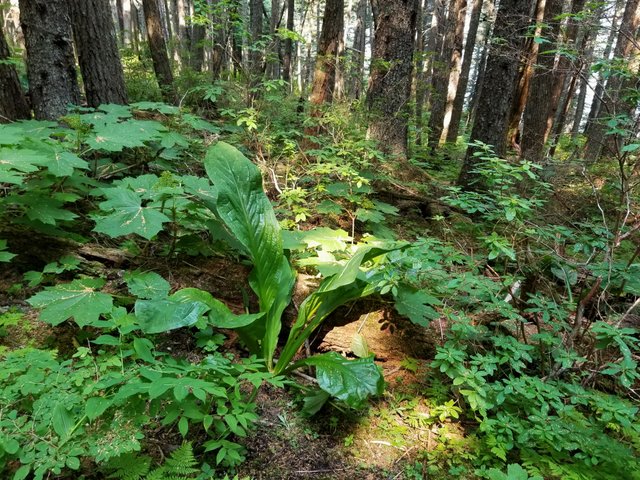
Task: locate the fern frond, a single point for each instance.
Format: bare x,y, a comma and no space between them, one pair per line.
182,461
129,466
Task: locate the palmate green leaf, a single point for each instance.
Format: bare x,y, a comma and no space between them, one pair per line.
79,299
15,163
128,215
248,214
352,381
416,305
147,285
16,133
114,137
58,161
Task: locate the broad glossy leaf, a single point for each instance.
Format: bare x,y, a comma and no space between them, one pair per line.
352,381
248,214
128,215
79,299
219,314
158,316
62,420
328,239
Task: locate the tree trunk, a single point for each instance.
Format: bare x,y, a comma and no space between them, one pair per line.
614,103
98,55
481,63
440,64
530,55
120,15
458,104
419,75
499,84
329,48
51,65
599,90
273,56
198,34
255,26
536,115
288,43
13,105
390,80
158,48
455,66
434,45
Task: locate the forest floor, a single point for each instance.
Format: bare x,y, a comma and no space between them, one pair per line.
381,442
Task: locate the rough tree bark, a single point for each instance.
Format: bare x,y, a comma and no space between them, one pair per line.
13,105
198,34
288,43
51,66
458,104
536,114
499,84
390,80
455,66
330,46
419,75
255,27
98,55
158,48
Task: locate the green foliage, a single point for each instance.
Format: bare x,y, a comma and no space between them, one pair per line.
247,213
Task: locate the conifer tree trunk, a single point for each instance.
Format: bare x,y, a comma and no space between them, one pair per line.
121,25
330,46
51,65
273,63
536,115
455,67
98,55
255,26
288,43
441,69
614,99
391,67
419,74
198,34
357,50
158,48
458,104
13,105
599,90
499,84
434,45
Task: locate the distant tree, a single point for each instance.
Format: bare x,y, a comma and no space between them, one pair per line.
255,28
51,66
158,48
537,110
447,73
98,55
465,69
330,46
391,71
617,99
13,105
498,92
287,59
